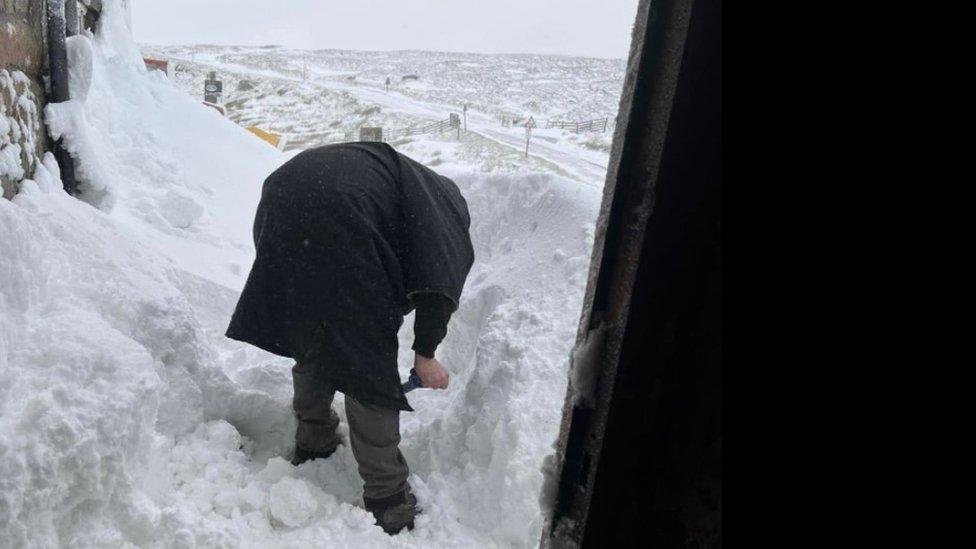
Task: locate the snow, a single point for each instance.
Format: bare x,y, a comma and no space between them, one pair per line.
10,159
292,503
192,203
19,125
127,419
585,367
328,106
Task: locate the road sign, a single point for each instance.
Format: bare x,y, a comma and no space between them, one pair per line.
213,89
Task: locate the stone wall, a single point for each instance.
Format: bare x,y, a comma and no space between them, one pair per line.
22,65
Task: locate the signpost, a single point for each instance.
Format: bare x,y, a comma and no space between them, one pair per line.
213,89
528,134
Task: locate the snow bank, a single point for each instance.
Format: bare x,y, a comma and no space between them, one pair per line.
181,175
127,418
79,392
480,447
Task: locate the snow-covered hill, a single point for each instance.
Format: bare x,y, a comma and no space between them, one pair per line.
127,419
538,85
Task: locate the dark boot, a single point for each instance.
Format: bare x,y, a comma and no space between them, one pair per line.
394,513
302,455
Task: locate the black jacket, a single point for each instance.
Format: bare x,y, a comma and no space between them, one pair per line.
344,235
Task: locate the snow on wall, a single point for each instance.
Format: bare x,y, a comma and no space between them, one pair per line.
19,129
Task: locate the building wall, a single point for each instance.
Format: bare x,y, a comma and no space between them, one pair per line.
22,64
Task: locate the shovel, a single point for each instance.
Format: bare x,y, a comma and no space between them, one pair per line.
413,382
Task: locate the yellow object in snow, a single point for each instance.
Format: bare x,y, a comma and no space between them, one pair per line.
270,137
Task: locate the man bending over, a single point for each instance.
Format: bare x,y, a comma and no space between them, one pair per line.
349,239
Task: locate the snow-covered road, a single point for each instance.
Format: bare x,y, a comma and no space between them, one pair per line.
571,159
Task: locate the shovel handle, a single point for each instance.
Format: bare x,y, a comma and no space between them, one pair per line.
412,383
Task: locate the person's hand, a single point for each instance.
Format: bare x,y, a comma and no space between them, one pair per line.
431,372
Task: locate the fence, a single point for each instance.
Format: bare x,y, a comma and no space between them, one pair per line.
433,127
383,134
595,125
507,120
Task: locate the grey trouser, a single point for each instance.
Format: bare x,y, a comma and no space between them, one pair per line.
373,431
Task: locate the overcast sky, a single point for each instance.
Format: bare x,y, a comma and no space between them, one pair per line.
596,28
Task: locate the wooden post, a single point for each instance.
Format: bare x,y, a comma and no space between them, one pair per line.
465,112
529,124
455,122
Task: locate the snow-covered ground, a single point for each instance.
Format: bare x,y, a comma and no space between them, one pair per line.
127,419
317,97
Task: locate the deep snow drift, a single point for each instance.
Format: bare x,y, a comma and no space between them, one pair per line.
127,418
